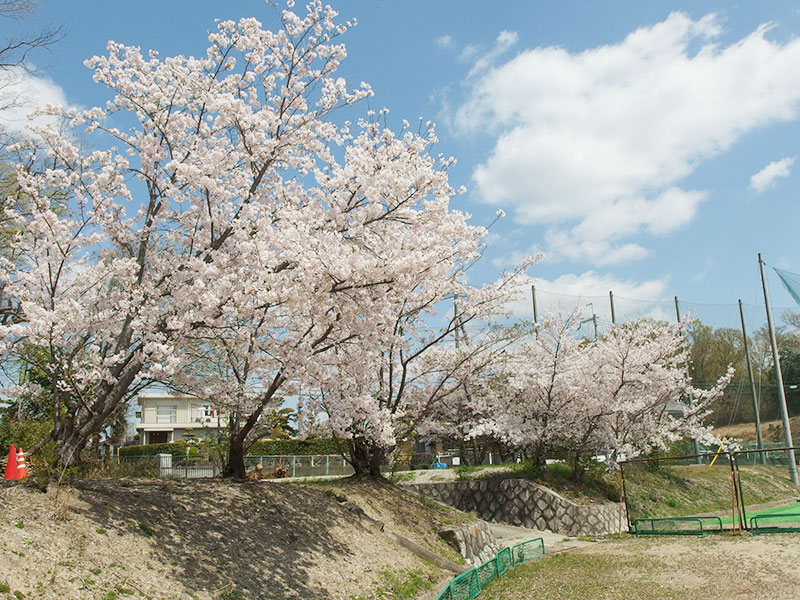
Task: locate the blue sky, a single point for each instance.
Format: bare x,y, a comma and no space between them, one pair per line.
648,148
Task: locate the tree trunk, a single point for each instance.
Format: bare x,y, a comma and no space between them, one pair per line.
540,458
234,467
240,430
366,458
577,468
69,452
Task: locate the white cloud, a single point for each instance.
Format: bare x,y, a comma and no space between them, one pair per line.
766,177
504,42
594,144
571,291
710,264
20,93
444,41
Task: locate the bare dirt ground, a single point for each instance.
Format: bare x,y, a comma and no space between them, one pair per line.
665,568
210,540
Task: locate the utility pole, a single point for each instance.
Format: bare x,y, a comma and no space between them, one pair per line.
613,312
593,319
778,375
752,384
535,312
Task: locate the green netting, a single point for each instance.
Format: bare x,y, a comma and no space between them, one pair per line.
504,561
445,594
465,586
487,572
470,583
678,525
791,281
527,550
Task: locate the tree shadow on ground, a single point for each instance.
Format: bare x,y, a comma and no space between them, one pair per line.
217,534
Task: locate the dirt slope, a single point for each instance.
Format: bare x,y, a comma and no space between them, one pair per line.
114,539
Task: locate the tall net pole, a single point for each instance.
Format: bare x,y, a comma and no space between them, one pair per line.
752,382
778,375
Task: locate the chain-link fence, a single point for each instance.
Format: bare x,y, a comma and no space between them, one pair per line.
310,465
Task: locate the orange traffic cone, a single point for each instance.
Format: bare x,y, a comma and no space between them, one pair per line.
22,470
11,465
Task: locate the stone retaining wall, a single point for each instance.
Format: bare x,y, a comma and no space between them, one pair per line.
475,542
524,503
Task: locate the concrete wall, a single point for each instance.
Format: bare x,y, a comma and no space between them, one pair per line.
526,504
474,542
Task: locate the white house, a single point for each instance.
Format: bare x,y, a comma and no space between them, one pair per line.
168,417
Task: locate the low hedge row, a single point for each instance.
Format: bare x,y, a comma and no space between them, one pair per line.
260,448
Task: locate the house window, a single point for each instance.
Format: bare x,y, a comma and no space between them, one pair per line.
202,412
166,413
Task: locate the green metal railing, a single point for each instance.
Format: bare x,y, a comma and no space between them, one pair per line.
792,518
639,527
470,583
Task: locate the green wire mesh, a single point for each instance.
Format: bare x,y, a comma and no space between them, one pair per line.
527,550
470,583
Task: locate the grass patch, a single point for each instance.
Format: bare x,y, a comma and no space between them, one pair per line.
597,484
582,577
403,585
401,476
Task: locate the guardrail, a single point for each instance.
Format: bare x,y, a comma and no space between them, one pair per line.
470,583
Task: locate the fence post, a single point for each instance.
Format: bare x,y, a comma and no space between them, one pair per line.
164,465
327,464
294,465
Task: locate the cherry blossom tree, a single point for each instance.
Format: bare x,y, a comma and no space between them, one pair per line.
623,395
541,385
376,391
234,219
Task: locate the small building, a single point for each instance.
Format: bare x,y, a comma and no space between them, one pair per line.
167,417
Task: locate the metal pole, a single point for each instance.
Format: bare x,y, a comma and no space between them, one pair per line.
613,312
535,312
752,382
593,319
677,310
778,375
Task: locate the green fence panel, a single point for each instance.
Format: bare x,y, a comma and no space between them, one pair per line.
699,526
465,586
445,594
469,584
780,523
487,571
527,550
504,561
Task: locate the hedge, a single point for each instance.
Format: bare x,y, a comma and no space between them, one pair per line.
291,447
175,448
260,448
22,433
